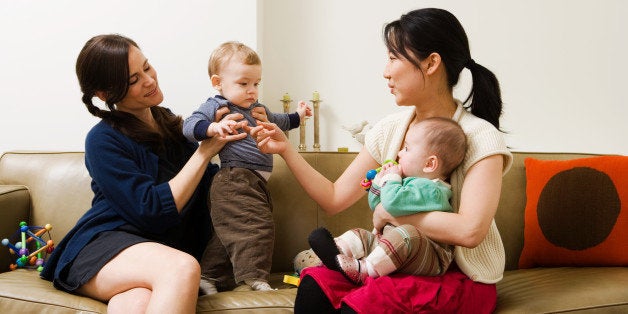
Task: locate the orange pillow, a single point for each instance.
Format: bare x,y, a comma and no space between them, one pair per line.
576,212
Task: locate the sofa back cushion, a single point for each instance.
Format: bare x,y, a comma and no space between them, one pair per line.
58,183
59,187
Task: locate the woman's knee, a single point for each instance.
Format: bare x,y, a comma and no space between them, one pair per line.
185,266
168,267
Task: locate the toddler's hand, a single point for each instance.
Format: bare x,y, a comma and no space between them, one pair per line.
222,128
304,110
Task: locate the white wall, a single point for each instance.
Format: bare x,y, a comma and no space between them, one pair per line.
561,63
40,100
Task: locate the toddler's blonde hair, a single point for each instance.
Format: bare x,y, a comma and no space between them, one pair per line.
228,50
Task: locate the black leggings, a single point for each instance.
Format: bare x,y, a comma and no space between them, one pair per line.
311,299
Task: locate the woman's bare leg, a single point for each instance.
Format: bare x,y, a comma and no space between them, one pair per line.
131,301
171,276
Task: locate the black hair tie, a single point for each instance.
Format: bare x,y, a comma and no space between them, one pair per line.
469,63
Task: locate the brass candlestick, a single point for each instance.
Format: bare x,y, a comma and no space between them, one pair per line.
302,135
316,100
286,108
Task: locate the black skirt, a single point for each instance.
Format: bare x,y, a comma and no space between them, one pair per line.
98,252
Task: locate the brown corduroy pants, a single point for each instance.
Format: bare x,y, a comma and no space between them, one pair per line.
241,247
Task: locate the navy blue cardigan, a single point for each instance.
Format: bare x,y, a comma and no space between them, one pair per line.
124,175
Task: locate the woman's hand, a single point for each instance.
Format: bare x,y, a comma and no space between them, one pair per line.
221,113
380,218
224,114
259,114
270,139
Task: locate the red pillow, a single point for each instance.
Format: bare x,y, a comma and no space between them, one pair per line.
576,212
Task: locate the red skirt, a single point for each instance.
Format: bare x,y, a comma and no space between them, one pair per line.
452,292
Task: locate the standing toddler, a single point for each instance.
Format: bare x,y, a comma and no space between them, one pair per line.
241,247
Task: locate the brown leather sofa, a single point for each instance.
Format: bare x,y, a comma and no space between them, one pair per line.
53,188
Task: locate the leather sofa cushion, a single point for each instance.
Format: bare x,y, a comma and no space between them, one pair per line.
23,291
563,289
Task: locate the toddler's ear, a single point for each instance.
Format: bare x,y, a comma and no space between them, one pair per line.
215,79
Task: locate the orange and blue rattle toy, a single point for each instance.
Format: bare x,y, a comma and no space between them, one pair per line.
32,256
370,175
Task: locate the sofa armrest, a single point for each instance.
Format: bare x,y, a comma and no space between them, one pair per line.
15,206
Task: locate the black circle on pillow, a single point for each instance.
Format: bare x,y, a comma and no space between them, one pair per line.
578,208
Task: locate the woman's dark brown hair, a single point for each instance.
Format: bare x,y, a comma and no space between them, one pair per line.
103,66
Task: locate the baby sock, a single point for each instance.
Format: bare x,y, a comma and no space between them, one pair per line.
258,285
207,286
369,268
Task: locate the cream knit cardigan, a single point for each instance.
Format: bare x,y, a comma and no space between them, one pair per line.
484,263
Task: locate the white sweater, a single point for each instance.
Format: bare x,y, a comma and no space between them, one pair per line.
484,263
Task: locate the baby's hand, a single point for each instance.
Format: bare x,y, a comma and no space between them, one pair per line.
304,110
222,128
389,168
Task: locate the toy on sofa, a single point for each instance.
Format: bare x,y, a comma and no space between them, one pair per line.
370,175
301,261
26,258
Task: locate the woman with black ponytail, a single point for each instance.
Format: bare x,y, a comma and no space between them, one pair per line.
427,50
138,247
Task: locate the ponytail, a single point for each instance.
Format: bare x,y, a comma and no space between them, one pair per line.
485,95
